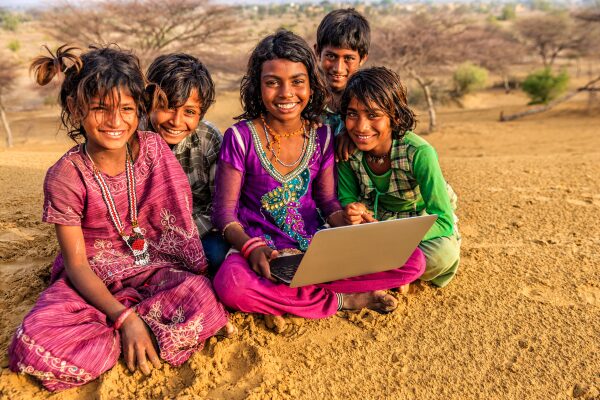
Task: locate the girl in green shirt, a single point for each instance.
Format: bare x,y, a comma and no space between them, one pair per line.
394,173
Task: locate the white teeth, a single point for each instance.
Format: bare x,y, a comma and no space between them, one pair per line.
363,137
286,106
114,134
173,132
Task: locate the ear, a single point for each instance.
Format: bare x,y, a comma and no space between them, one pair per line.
363,60
316,52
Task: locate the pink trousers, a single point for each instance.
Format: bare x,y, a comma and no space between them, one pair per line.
240,288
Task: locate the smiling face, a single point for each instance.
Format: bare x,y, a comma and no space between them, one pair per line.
339,64
285,89
177,123
369,127
110,121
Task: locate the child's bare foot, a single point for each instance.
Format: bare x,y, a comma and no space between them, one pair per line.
275,322
377,300
404,289
228,331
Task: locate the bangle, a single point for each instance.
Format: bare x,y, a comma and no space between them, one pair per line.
328,219
228,225
249,242
253,247
119,321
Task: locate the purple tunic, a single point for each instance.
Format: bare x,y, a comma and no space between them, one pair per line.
283,209
65,341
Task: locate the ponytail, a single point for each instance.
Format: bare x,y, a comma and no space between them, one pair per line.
45,68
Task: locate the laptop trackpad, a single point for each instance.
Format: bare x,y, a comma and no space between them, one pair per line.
284,267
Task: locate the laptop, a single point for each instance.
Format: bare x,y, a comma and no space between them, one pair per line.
348,251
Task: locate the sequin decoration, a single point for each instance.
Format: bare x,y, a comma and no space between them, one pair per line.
282,204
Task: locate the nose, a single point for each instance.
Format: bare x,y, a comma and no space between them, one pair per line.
114,118
177,117
362,124
338,65
286,90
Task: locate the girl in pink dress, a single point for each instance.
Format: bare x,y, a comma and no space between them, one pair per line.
275,186
127,277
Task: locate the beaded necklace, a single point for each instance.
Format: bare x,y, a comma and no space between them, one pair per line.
377,159
277,136
270,147
135,241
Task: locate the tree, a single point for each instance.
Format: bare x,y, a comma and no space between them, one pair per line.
149,27
551,35
8,74
425,44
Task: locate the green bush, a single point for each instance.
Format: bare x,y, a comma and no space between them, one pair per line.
468,78
543,86
10,22
14,45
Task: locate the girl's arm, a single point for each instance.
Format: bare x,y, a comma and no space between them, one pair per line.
427,172
137,343
228,184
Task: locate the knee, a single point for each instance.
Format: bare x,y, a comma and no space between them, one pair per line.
232,282
441,255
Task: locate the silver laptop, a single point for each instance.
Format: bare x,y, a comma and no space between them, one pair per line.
347,251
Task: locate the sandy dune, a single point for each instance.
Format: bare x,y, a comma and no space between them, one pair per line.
521,320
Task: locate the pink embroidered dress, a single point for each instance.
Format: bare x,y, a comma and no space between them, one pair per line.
64,341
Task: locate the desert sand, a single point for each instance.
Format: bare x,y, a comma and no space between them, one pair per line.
521,320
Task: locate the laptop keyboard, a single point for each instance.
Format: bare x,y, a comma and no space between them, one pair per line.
284,268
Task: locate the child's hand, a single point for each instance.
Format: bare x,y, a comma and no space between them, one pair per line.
357,213
344,146
259,261
137,345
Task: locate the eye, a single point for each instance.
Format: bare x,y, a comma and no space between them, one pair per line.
128,109
349,58
271,83
190,112
374,115
330,57
98,108
351,114
298,82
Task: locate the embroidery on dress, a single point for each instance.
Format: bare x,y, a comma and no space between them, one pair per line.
63,372
177,336
282,203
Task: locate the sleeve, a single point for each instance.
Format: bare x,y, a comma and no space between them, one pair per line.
348,185
229,178
427,172
214,142
64,195
234,148
324,191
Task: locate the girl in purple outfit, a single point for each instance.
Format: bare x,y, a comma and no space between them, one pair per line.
127,274
275,186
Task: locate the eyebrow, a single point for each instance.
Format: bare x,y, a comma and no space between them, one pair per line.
301,74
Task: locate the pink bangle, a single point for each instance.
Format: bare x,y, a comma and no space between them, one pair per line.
249,242
119,321
254,246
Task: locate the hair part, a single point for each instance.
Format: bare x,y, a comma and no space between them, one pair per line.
344,28
382,88
285,45
178,75
99,72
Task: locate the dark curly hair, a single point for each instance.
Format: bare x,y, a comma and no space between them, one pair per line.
382,87
95,73
178,74
286,45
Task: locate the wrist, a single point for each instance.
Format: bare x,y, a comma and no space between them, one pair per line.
123,317
246,254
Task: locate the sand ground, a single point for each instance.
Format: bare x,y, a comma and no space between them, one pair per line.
520,321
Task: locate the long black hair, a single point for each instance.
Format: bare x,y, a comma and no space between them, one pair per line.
382,87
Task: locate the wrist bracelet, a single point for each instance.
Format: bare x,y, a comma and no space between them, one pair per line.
228,225
328,219
124,315
249,242
253,247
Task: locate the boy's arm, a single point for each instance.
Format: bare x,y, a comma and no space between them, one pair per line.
427,172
